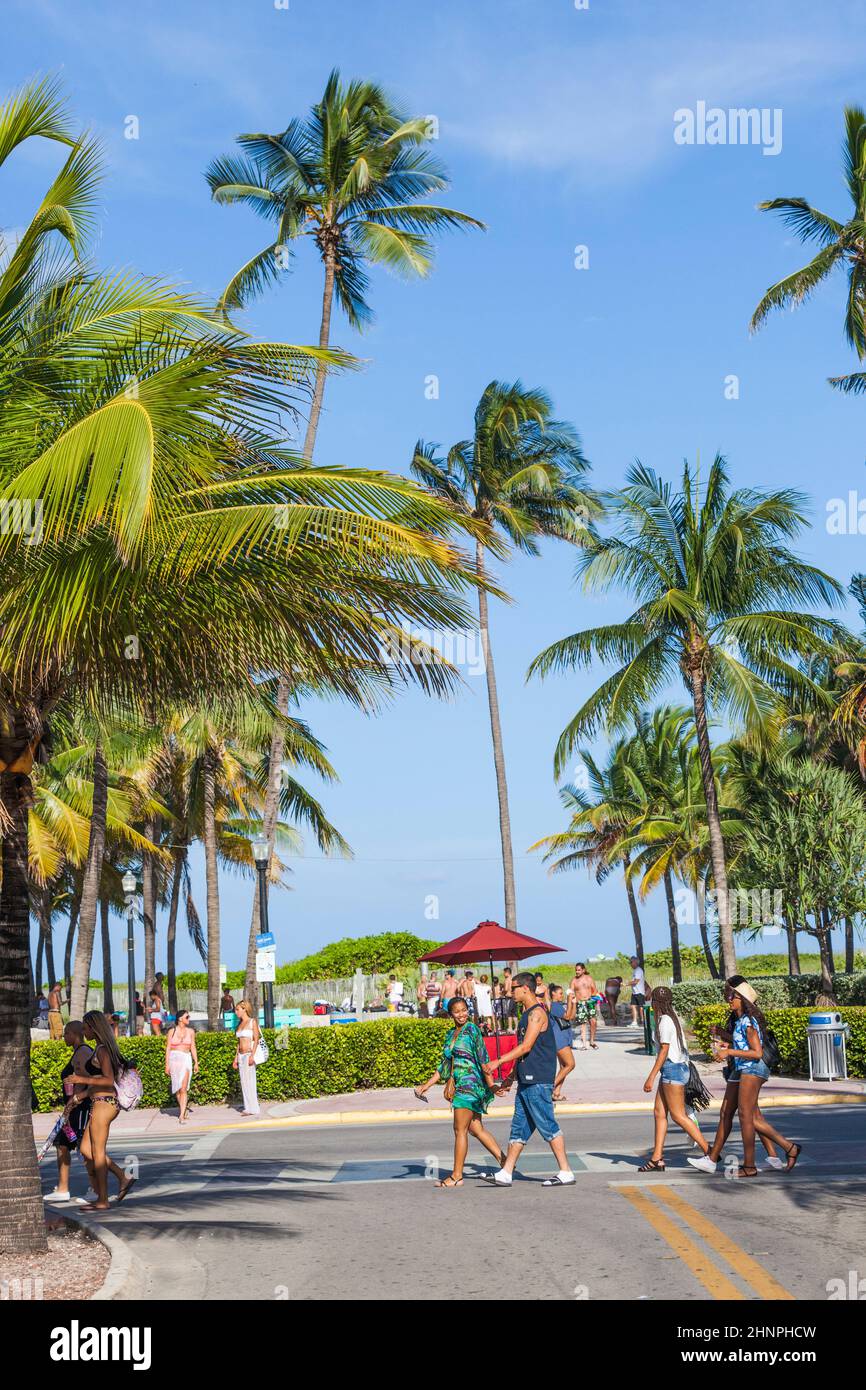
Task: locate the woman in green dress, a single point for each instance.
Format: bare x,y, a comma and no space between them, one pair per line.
463,1068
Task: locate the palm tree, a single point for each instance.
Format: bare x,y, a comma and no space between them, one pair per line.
599,817
717,588
145,427
841,244
348,176
521,477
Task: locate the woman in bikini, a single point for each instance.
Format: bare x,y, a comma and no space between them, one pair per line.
181,1060
99,1075
247,1034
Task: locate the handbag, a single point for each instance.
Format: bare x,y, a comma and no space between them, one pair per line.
771,1053
697,1096
262,1052
450,1090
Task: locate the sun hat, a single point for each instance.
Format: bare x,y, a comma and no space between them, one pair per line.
746,992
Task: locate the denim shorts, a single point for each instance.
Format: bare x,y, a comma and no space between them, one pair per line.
533,1110
752,1067
675,1073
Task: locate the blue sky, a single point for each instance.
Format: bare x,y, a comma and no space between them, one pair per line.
557,127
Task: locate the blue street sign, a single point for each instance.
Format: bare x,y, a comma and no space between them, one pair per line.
265,940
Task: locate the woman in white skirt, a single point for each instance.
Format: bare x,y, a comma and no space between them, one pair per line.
181,1060
247,1034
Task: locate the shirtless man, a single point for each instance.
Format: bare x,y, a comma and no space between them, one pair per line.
509,1008
466,990
583,987
449,988
55,1019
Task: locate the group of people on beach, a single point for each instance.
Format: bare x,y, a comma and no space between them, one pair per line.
744,1044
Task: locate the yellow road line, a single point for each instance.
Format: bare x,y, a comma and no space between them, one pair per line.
763,1283
705,1271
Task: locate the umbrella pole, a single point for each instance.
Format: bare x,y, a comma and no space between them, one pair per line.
495,1017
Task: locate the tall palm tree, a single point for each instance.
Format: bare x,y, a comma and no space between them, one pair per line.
349,176
146,428
841,246
718,590
600,816
521,477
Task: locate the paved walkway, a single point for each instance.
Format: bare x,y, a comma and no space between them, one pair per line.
610,1078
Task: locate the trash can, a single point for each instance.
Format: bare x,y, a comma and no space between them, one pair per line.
827,1058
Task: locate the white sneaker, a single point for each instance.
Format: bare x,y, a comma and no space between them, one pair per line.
774,1163
56,1196
705,1164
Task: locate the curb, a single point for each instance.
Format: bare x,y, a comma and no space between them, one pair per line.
127,1277
388,1117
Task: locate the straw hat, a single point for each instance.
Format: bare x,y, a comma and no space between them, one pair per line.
746,992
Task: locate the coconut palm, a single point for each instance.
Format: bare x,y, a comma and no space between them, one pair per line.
521,477
718,590
841,245
600,814
348,176
180,549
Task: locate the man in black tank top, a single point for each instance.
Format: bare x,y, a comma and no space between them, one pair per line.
536,1068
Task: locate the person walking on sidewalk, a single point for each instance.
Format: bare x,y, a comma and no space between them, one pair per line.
100,1074
747,1055
467,1088
561,1016
535,1069
583,987
181,1060
55,1017
672,1064
638,992
731,1098
76,1110
247,1034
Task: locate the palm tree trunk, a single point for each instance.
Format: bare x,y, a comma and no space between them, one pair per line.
498,752
701,896
37,969
635,917
676,962
74,909
270,816
22,1216
171,931
90,886
148,904
107,979
793,950
324,339
849,945
214,992
714,825
49,936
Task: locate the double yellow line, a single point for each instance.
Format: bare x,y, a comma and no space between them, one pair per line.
755,1278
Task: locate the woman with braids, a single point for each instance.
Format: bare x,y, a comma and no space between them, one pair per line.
100,1075
463,1068
672,1064
746,1053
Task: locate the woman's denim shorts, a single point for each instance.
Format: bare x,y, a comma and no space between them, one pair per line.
675,1073
752,1067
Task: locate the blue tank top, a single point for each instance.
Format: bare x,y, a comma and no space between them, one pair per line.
538,1067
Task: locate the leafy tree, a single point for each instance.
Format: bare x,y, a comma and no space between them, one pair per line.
718,592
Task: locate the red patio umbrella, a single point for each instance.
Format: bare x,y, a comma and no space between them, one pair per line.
489,941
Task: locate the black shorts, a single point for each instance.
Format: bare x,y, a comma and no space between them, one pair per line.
639,999
78,1117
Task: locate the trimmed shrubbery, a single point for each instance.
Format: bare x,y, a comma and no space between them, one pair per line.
304,1062
774,991
789,1026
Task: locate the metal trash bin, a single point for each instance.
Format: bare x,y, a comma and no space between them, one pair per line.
827,1054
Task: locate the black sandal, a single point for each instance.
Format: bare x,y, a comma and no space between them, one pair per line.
796,1150
653,1165
743,1172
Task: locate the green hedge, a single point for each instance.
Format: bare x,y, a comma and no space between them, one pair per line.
304,1062
774,991
789,1026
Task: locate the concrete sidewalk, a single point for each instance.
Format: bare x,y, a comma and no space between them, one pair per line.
608,1079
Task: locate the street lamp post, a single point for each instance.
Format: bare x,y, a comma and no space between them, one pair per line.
261,854
130,883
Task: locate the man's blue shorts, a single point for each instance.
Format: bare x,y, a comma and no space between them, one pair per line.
533,1110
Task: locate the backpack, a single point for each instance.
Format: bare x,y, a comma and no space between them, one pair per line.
771,1055
129,1088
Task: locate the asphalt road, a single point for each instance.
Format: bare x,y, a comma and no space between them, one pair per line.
350,1212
